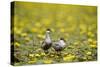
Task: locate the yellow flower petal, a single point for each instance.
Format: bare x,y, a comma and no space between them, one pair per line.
34,30
90,40
94,42
31,55
23,34
40,36
93,46
27,38
17,44
43,54
89,53
47,61
32,61
62,30
37,55
52,55
90,34
68,57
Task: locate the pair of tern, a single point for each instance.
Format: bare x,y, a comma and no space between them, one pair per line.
58,45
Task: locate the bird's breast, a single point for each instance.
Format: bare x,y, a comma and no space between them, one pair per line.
48,40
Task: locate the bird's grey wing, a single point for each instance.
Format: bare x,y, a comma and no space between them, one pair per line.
43,44
66,44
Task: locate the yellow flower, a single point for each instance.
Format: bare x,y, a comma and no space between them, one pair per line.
94,42
90,34
31,55
47,61
52,55
43,54
62,30
47,23
83,27
27,38
57,56
40,36
17,44
90,40
34,30
18,31
89,53
37,55
68,57
15,28
24,34
32,61
37,24
93,45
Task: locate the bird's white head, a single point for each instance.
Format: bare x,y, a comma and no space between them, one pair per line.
62,42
